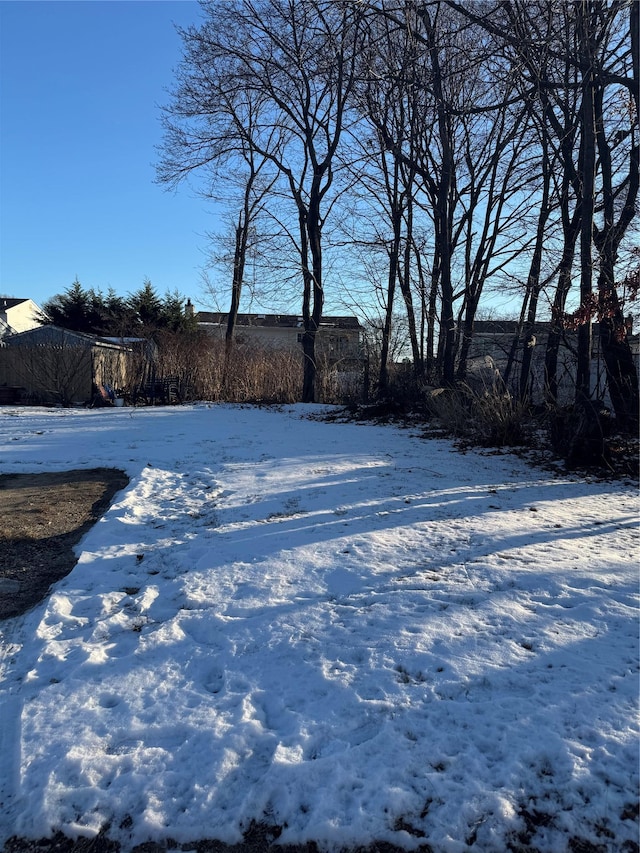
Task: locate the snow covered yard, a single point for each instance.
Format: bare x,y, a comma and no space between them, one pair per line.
344,631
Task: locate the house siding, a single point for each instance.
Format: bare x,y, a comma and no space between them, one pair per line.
495,339
337,339
19,315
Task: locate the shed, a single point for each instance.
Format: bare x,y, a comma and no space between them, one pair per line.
55,365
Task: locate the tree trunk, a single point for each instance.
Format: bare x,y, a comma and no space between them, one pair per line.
622,376
466,336
557,312
395,204
313,295
587,172
394,252
515,343
308,336
405,286
570,231
431,318
533,279
442,211
239,258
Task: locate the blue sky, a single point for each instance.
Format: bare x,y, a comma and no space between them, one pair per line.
81,88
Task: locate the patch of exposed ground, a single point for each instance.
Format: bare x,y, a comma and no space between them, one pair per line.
42,517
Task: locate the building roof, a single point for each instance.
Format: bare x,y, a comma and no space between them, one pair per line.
499,327
278,321
57,336
6,302
510,327
122,340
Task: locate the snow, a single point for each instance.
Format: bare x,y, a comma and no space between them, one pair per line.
347,631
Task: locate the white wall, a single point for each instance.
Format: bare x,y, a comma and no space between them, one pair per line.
22,317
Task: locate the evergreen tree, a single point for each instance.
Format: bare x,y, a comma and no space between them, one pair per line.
147,308
118,316
74,309
173,312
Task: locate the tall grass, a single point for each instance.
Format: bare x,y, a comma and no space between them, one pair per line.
249,372
486,417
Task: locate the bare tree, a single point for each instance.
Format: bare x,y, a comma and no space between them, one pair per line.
253,195
617,131
389,98
465,151
583,71
59,370
496,197
296,63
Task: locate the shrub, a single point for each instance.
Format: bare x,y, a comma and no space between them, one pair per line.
258,374
490,418
249,373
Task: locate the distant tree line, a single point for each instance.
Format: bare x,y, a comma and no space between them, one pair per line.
422,155
143,313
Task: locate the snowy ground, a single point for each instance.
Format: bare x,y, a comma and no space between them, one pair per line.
343,630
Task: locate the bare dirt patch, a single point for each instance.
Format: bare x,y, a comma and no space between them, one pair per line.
42,517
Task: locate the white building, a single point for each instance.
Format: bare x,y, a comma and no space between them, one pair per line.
18,315
338,337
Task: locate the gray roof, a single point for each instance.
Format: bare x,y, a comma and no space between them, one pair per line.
7,302
499,327
275,321
57,336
